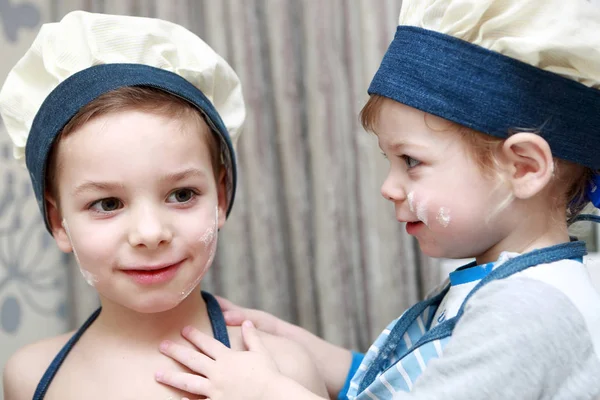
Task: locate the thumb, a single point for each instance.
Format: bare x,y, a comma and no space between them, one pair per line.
251,339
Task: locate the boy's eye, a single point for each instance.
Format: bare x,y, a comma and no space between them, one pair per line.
411,162
107,205
181,196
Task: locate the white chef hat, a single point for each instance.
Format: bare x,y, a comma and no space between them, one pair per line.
499,65
85,55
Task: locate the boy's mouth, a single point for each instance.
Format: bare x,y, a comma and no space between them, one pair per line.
153,274
413,227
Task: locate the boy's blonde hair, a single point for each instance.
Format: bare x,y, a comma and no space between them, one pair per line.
141,99
570,179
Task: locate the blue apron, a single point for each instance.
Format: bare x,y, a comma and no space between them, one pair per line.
401,353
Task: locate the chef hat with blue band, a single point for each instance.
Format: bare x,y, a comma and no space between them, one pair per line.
74,61
499,66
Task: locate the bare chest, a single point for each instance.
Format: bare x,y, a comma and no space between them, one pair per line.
121,377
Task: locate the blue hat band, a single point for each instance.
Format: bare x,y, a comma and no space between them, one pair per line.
489,92
65,101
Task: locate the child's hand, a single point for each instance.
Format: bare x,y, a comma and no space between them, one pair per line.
234,316
223,373
332,361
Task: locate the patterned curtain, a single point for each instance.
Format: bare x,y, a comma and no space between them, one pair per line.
310,238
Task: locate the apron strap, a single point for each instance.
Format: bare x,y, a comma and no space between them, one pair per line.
395,336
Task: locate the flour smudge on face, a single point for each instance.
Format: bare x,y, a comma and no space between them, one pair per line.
422,212
90,278
443,217
418,207
411,201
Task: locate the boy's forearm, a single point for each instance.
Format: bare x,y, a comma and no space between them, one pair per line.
332,361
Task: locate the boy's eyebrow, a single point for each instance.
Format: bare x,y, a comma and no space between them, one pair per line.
187,173
399,145
111,186
89,186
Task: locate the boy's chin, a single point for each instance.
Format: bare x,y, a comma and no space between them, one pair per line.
431,250
162,303
434,251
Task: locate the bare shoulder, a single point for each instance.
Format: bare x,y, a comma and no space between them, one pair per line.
295,362
27,365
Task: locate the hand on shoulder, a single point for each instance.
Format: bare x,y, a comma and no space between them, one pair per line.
294,361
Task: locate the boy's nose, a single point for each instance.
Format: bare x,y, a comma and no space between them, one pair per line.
392,190
149,230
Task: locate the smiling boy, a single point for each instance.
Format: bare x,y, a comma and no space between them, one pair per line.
128,133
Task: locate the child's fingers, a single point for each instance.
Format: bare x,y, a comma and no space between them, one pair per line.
190,383
261,320
191,358
206,344
251,338
234,317
227,305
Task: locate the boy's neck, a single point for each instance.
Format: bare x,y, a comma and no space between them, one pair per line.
118,322
535,229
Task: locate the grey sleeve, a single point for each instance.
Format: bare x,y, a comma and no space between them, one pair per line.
518,339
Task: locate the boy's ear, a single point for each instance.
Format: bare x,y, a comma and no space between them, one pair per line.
527,160
222,197
59,231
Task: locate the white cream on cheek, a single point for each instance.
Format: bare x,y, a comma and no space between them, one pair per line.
411,201
420,207
443,217
209,235
209,240
90,278
422,212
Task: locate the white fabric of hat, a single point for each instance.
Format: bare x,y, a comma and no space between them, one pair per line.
81,40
